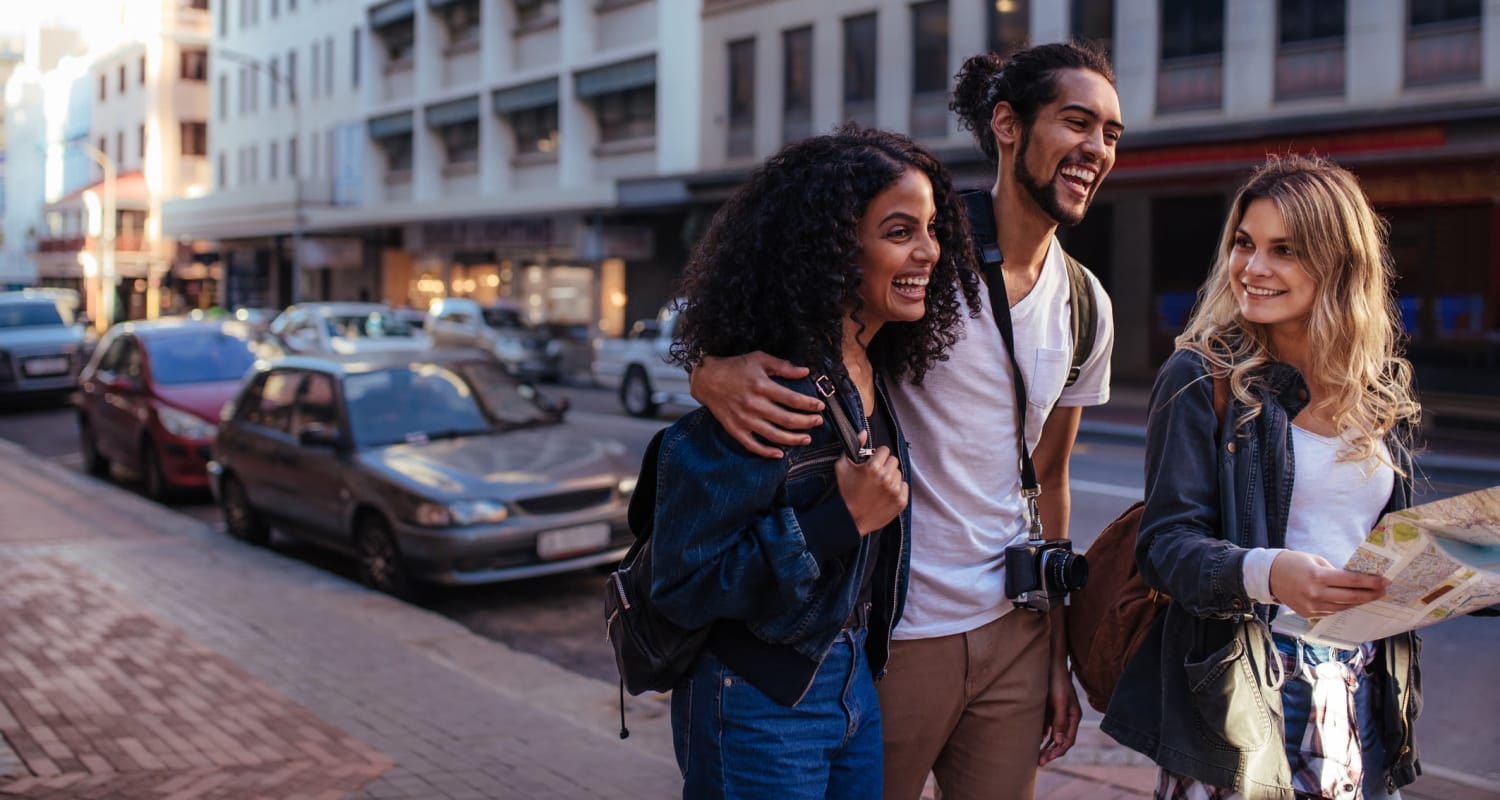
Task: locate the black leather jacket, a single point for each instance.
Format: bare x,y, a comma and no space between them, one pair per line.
1197,695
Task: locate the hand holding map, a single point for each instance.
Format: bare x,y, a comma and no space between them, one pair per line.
1442,559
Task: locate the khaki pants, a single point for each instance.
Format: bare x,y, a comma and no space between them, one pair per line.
969,708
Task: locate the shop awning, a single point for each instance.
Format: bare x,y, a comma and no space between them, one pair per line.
531,95
633,74
391,13
452,112
391,125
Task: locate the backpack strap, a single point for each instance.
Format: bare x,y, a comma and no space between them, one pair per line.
641,513
1085,316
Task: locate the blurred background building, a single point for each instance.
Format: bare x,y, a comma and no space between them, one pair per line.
564,155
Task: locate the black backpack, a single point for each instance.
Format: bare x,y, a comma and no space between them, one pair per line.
981,211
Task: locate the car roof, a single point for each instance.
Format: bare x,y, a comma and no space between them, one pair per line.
29,296
167,326
355,364
337,308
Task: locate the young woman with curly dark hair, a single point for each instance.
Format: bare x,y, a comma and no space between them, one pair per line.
845,252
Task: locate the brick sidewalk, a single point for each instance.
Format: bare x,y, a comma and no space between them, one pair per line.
143,655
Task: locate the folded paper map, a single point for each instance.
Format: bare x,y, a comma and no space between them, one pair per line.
1442,559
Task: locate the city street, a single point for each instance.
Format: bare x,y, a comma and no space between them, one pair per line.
557,617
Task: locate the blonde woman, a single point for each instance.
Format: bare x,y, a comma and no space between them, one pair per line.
1296,329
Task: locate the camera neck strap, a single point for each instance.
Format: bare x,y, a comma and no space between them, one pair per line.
987,251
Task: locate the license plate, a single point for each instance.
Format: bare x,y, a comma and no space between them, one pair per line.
45,366
579,539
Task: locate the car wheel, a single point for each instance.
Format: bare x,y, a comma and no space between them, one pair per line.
240,518
380,566
94,462
635,394
153,475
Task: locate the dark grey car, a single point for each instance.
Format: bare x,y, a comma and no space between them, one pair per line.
439,467
42,345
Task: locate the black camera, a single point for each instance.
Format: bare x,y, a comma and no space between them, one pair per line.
1039,573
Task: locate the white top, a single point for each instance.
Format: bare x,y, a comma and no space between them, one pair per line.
1335,505
960,425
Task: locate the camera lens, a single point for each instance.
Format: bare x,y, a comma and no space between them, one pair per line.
1064,571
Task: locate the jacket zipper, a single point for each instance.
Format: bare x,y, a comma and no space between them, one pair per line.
890,615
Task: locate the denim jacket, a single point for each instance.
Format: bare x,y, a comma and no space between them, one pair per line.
767,552
1198,697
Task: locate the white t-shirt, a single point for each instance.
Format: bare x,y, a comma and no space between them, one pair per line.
960,425
1335,505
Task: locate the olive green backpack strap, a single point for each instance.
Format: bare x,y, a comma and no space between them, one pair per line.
1085,316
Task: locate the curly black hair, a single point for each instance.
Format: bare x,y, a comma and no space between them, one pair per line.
778,268
1027,80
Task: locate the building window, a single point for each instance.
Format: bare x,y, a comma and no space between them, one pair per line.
198,5
291,76
194,138
397,153
1191,73
103,86
120,147
398,39
273,159
859,69
122,79
1443,42
275,8
141,77
291,142
1094,21
535,129
223,97
194,65
929,105
328,65
312,71
221,172
533,14
223,31
460,142
275,82
1310,55
354,58
1010,25
626,115
796,84
141,136
741,98
462,21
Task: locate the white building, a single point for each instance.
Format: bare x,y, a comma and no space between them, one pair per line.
567,153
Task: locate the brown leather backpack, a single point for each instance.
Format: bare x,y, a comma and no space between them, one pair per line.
1108,618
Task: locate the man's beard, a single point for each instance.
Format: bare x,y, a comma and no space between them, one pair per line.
1045,194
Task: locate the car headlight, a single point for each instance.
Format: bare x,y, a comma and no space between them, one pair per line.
460,513
184,425
626,486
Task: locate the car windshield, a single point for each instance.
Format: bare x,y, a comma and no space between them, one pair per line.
30,315
374,325
208,356
504,318
421,402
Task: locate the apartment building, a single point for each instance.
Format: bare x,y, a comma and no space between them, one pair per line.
1404,92
444,147
139,107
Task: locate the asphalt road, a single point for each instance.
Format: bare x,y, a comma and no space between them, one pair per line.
557,617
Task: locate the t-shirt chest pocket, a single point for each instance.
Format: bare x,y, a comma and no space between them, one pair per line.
1045,383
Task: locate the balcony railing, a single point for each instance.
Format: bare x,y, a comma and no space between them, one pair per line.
1447,52
1310,69
1190,84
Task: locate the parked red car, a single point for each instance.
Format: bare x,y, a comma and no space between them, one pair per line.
150,397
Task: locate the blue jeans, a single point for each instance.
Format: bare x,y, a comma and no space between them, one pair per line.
734,742
1296,702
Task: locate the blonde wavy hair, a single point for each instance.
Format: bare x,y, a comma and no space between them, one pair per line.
1354,332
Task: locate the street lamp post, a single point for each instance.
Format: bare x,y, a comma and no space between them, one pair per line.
106,235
